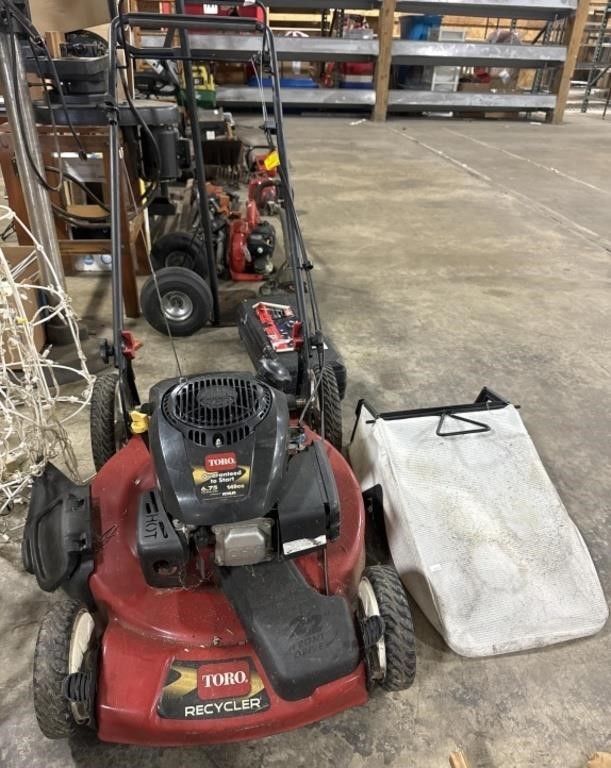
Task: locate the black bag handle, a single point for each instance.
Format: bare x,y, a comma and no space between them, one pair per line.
479,426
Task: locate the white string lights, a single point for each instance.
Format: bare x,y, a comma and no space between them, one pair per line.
33,408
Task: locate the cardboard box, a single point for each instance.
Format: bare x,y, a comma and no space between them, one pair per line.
229,73
67,15
296,70
14,254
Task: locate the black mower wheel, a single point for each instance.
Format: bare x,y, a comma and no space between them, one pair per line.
178,249
63,627
381,593
186,301
107,422
331,407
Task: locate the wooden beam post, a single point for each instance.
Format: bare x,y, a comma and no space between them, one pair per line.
54,41
386,23
574,36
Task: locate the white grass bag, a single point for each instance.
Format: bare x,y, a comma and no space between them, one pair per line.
476,529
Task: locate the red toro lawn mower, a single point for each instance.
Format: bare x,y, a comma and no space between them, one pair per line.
214,568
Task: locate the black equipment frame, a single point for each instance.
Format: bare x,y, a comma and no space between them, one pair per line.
487,400
274,130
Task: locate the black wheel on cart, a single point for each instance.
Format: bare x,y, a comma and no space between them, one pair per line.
330,404
107,419
178,249
387,628
65,640
186,301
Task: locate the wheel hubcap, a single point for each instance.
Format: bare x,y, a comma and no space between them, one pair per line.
368,606
177,306
82,631
179,259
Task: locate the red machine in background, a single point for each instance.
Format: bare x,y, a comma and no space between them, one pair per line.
251,246
262,181
243,243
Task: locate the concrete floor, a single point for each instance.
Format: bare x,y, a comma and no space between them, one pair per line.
449,255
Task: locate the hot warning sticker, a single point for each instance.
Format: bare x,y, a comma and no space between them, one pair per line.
221,477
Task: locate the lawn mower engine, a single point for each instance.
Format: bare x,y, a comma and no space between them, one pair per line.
260,492
251,246
263,189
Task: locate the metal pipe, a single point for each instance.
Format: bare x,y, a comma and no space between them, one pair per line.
112,112
297,253
115,240
40,214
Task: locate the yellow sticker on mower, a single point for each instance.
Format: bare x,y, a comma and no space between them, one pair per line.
272,160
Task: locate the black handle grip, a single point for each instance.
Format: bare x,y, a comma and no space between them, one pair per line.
185,21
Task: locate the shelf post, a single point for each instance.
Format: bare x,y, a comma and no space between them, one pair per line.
574,34
386,24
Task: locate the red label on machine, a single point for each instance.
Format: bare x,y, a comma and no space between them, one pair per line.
219,462
223,680
281,326
207,690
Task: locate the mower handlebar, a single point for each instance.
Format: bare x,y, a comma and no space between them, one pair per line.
186,21
238,3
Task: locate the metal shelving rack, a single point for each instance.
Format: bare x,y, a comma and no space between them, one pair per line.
541,56
600,64
547,56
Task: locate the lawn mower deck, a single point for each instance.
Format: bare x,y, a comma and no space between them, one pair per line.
181,666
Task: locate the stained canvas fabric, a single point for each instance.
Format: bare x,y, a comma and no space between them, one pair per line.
478,532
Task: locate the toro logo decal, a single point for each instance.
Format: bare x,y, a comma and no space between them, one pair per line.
219,462
207,690
223,680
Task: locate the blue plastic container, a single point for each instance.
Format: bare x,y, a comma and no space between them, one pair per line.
415,28
285,82
418,27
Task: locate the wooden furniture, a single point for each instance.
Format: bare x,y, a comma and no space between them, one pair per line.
95,142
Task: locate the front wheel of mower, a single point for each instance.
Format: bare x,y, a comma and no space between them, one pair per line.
107,420
178,249
183,305
390,655
64,639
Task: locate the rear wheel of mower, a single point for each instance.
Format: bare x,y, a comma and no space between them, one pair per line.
178,249
391,660
64,638
107,421
331,407
186,301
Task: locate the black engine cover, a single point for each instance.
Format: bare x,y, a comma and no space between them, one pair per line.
219,444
